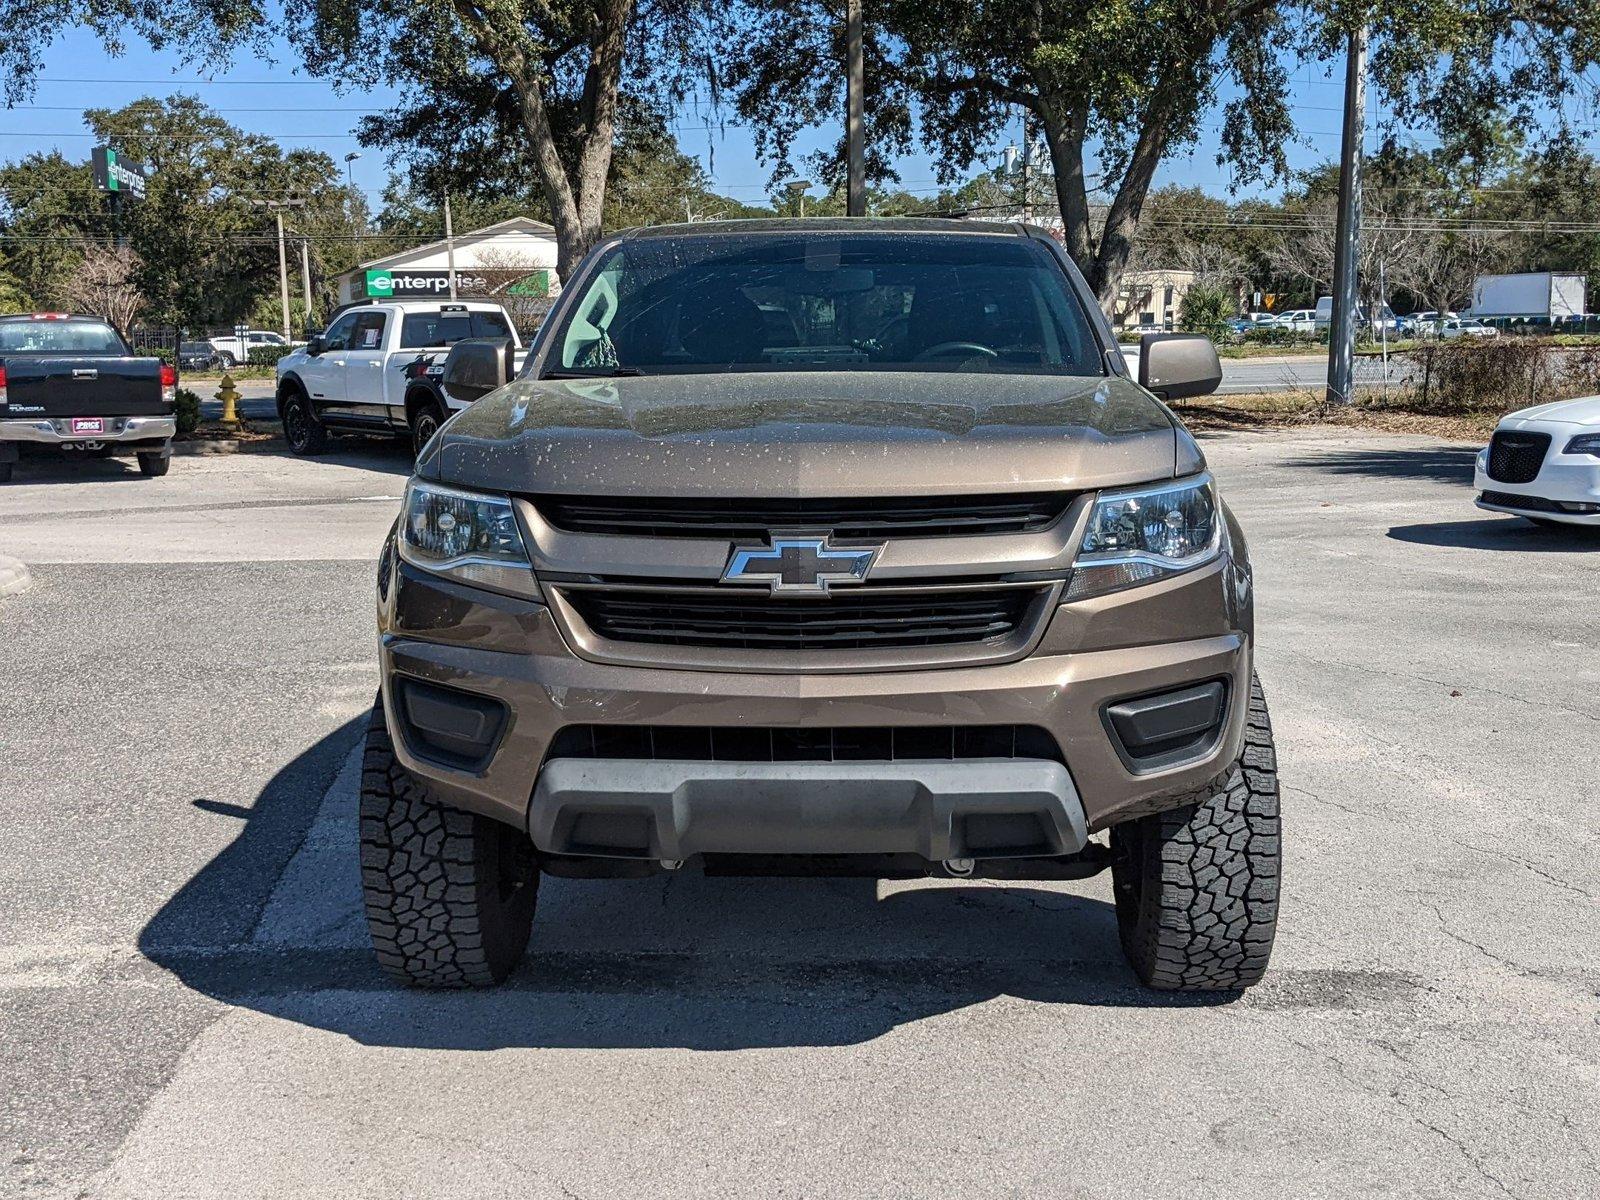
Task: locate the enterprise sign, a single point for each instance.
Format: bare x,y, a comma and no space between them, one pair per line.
114,174
388,285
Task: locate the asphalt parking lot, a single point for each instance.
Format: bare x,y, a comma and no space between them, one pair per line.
188,1006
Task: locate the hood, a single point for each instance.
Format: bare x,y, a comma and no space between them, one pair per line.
802,433
1583,411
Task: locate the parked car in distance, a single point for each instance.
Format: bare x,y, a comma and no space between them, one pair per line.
1299,320
374,370
233,351
1465,327
701,589
1543,463
72,382
1139,330
198,356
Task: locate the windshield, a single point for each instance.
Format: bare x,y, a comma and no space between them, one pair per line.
51,336
421,330
786,302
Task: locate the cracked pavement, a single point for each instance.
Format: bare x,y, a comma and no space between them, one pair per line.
188,1007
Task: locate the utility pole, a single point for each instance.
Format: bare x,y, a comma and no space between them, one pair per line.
1347,235
305,273
855,124
283,273
450,246
1027,166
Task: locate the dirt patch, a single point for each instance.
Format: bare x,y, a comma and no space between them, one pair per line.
1288,410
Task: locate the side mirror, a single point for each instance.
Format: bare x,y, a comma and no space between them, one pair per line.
475,367
1175,365
314,344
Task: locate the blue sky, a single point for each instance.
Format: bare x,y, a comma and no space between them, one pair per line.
271,98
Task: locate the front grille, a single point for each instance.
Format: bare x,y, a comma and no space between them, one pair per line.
1530,503
1516,457
841,621
873,517
698,743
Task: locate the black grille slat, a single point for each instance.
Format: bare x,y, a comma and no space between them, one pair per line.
1516,457
1531,503
869,517
667,743
850,620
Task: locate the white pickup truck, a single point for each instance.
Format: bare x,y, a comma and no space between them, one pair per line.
369,372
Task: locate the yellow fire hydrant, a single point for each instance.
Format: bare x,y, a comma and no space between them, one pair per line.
229,395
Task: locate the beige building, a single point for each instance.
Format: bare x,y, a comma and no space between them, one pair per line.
1152,298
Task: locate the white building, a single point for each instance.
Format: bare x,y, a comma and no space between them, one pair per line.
516,257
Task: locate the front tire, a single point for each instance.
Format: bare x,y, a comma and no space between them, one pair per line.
449,895
305,434
1197,885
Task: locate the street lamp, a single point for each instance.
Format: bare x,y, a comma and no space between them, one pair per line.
349,178
797,189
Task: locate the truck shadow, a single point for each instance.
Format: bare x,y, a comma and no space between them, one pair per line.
1440,464
674,961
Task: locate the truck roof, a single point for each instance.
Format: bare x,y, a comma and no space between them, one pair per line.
836,225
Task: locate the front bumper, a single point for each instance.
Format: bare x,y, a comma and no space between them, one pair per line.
675,810
1096,653
58,430
1565,486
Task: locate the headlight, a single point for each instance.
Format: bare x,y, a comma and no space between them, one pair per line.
1143,534
1585,443
468,536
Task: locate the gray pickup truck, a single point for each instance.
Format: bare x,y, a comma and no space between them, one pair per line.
73,383
820,547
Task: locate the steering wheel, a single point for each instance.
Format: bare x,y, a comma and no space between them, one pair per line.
946,348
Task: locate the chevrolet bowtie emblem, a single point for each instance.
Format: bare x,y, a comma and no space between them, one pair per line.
799,564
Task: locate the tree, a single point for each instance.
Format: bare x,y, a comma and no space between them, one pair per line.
209,254
1116,87
508,88
104,285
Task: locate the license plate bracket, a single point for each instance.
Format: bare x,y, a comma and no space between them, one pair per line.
88,424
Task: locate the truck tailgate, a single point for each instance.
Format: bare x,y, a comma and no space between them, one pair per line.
83,386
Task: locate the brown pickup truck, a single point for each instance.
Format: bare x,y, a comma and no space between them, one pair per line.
820,547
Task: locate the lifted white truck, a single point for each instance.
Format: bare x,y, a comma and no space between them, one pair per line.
369,372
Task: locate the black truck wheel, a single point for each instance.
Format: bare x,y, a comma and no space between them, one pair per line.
426,417
305,434
5,472
1197,886
153,466
449,895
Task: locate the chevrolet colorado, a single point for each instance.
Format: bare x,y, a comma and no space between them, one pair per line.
821,547
72,382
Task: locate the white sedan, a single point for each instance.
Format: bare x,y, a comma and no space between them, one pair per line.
1543,463
1458,327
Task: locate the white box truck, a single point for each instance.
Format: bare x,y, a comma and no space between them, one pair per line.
1550,295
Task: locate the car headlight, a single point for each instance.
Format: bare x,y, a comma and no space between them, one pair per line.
1585,443
469,536
1139,535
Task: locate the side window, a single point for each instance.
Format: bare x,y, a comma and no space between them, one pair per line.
587,343
338,335
368,332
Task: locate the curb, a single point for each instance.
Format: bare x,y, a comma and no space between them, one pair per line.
14,576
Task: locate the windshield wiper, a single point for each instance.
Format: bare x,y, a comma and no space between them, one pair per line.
597,373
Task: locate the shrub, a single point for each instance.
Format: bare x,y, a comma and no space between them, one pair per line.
187,410
266,356
1503,374
1205,310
